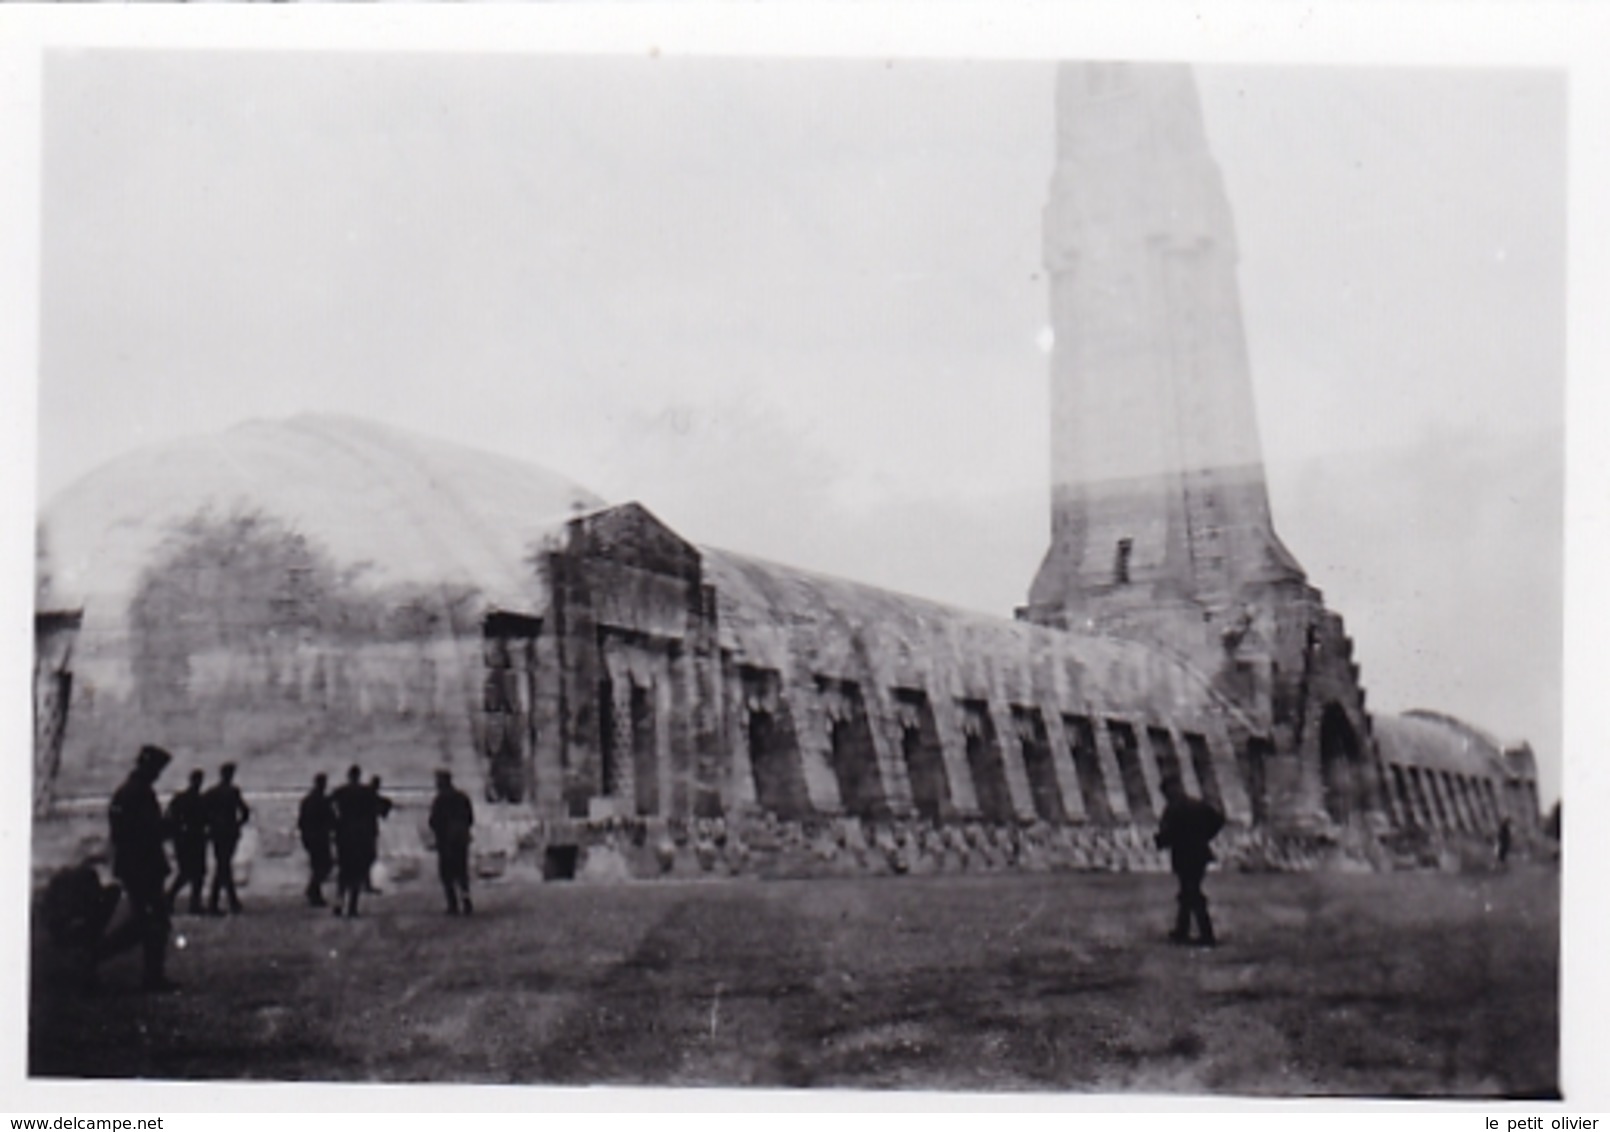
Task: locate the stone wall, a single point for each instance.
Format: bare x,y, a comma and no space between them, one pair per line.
513,846
677,683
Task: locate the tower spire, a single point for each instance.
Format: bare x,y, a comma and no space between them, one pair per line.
1158,488
1160,523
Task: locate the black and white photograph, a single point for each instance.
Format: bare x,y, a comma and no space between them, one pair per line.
913,573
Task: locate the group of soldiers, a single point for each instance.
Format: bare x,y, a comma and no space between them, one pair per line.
196,818
339,829
345,823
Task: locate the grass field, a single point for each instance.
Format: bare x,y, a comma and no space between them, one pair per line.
1326,984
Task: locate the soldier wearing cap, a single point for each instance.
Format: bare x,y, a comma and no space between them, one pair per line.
1186,829
451,817
357,830
139,863
226,813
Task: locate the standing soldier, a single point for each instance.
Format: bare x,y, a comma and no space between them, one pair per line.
356,827
226,813
451,817
138,861
1187,826
187,825
316,823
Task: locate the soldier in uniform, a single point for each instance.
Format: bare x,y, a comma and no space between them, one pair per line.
1186,830
139,863
451,816
226,813
357,828
187,826
315,821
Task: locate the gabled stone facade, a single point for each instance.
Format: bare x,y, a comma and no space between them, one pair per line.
668,680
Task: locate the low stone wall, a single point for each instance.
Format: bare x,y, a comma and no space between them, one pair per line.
847,847
512,844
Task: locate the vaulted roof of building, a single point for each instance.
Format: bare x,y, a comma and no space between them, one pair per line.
779,617
396,506
1438,742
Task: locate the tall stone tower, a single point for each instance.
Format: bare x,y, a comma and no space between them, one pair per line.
1160,521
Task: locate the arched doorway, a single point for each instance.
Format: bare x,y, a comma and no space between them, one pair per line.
1339,765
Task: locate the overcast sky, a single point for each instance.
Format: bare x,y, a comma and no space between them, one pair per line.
797,308
544,256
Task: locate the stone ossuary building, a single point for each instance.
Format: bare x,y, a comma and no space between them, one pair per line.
616,686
